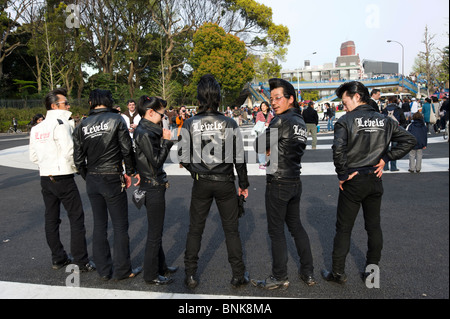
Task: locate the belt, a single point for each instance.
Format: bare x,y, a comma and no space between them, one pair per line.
271,178
215,177
57,178
155,183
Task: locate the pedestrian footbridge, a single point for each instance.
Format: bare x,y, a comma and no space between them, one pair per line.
260,92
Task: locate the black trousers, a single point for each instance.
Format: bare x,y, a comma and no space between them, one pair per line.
155,260
366,191
283,207
203,194
106,196
64,190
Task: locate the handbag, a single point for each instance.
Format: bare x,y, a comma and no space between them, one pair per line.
432,115
138,198
259,128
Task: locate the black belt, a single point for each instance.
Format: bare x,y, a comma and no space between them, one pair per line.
57,178
214,177
155,183
271,178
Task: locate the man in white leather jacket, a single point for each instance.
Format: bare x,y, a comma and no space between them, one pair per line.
51,148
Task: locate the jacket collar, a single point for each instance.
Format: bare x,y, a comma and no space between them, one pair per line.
98,111
364,107
151,126
58,114
292,110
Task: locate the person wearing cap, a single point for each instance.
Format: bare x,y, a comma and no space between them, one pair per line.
211,148
360,151
101,143
284,141
51,148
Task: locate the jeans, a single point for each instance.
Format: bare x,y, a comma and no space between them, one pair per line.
283,207
106,196
392,163
64,190
365,190
203,193
330,125
155,260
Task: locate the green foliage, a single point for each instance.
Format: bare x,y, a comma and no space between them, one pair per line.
222,55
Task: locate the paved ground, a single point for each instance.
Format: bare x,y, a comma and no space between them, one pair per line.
415,222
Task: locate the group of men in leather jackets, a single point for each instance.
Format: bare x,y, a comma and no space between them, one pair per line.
360,151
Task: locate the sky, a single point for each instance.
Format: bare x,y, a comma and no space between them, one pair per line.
323,25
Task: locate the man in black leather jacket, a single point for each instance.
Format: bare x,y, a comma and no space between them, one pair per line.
210,146
101,142
285,143
360,151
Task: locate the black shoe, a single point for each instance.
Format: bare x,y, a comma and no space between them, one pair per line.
169,271
395,170
308,279
105,278
334,277
90,266
238,282
161,280
190,282
271,283
411,171
61,264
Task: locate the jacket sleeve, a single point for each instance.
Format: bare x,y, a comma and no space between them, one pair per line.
185,146
79,155
340,150
405,143
32,152
64,140
126,147
239,159
155,159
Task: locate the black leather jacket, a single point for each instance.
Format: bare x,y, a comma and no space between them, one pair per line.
362,137
210,144
286,139
151,152
101,142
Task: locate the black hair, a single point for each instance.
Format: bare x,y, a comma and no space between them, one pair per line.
146,102
267,104
374,91
352,88
288,89
52,97
208,93
131,101
101,97
36,118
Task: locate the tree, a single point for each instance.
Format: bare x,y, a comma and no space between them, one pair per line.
222,55
9,23
425,62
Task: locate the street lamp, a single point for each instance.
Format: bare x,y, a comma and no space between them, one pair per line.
298,73
403,61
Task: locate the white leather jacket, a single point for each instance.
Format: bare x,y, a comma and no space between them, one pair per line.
51,144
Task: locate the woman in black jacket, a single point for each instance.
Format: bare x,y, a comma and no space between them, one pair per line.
152,146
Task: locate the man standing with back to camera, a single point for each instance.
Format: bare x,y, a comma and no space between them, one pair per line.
51,148
285,143
101,143
360,151
210,146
